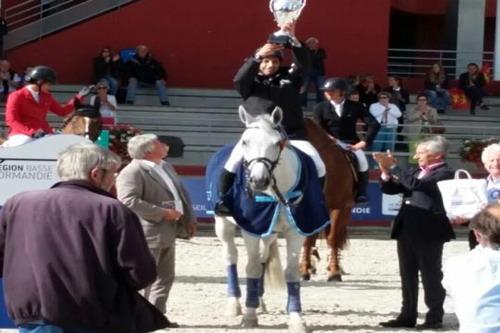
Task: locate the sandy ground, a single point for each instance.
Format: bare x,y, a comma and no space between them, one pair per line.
370,292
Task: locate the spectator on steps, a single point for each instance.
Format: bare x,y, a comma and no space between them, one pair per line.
368,91
472,83
9,80
107,67
105,103
399,97
387,115
436,83
317,74
144,70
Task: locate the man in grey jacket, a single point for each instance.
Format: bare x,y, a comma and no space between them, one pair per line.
151,188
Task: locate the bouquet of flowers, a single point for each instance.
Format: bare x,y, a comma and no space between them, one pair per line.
119,136
472,148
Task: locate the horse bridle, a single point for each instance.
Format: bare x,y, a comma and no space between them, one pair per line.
270,165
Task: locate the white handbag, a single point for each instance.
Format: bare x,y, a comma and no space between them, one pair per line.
463,197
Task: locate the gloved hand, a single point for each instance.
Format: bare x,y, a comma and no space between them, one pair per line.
85,91
39,133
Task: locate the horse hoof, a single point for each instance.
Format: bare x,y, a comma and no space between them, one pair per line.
335,278
233,309
249,322
313,271
306,277
297,326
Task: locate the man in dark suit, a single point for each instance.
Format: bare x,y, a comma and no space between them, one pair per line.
421,229
338,117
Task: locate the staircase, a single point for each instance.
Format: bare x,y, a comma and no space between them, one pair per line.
33,19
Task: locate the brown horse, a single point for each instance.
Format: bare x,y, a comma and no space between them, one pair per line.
88,125
78,123
339,194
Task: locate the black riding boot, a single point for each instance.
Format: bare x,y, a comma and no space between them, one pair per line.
361,196
226,181
322,182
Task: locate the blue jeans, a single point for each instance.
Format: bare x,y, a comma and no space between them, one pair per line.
439,99
318,81
46,328
133,84
385,138
112,83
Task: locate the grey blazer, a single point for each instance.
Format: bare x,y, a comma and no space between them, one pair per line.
141,189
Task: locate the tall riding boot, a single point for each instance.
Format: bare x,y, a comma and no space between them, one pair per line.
322,182
361,196
226,181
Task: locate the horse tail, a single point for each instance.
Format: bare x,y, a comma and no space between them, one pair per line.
273,270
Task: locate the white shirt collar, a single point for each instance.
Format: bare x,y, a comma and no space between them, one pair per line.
35,94
148,163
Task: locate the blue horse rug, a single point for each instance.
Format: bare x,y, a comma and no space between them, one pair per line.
258,214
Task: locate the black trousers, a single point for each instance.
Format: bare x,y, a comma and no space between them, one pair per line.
426,257
475,96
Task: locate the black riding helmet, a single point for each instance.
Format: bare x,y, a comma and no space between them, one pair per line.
278,54
335,84
41,74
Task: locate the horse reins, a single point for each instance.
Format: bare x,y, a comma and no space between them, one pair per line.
270,166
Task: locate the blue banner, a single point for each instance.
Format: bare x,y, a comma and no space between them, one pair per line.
372,212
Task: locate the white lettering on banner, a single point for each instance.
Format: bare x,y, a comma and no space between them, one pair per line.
361,210
199,208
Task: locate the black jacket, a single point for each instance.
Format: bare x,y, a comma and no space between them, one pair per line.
422,215
400,103
317,61
479,81
103,68
147,69
282,89
344,127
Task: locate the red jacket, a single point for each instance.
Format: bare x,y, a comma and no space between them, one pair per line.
24,115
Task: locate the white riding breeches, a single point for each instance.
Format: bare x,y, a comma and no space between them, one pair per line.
360,155
17,140
306,147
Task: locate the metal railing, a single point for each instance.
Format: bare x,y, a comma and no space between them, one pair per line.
417,62
32,19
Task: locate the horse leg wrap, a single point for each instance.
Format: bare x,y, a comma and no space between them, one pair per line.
252,293
233,287
293,304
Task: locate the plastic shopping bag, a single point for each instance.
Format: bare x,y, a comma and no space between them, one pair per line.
463,197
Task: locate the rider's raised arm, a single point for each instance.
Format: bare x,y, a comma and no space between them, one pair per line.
244,79
66,109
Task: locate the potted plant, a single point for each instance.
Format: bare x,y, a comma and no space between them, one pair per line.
472,149
119,136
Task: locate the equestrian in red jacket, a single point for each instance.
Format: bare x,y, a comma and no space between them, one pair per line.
24,115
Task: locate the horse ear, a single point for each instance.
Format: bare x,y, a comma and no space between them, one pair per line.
245,117
277,115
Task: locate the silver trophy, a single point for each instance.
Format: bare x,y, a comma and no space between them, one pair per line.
284,11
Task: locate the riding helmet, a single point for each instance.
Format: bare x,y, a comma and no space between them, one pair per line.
41,74
335,84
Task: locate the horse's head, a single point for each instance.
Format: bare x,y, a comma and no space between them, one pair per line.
85,120
262,144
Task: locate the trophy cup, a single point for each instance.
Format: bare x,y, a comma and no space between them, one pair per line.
284,11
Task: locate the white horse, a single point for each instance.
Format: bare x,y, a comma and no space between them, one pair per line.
271,173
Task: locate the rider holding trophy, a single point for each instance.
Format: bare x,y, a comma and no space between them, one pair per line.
264,83
27,108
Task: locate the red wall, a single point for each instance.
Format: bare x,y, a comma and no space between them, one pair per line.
203,43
